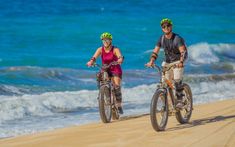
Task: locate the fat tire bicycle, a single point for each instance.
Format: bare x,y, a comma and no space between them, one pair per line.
108,107
164,100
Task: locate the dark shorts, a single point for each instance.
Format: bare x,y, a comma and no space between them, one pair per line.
114,74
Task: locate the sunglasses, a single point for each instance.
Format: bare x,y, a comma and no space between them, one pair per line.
106,40
166,26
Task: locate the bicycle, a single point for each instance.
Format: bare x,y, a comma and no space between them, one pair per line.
165,97
107,100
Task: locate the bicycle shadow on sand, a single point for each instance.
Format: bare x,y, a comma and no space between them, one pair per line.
202,121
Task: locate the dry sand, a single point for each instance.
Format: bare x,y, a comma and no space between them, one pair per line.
211,125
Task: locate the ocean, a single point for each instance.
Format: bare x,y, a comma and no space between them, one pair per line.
45,44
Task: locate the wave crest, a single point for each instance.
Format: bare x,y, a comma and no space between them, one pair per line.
204,53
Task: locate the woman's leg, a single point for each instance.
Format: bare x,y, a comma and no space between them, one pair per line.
116,80
117,89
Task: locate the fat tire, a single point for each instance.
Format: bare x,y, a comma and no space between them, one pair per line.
155,123
178,115
104,92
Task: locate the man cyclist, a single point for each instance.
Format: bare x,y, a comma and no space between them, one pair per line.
175,53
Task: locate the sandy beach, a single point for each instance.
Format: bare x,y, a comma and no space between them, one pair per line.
211,124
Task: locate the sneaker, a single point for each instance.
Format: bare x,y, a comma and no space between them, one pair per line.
120,110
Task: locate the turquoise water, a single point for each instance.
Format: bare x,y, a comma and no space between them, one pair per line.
64,35
46,44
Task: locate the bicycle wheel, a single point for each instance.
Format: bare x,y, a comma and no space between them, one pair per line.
105,104
183,115
159,111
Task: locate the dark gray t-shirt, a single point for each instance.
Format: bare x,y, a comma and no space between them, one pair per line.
171,47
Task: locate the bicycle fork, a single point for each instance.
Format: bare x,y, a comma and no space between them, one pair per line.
171,101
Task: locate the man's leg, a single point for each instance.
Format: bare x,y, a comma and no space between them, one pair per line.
178,77
169,74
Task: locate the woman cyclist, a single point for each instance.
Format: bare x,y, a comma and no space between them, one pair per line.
110,53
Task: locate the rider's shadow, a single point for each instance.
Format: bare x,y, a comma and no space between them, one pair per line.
202,121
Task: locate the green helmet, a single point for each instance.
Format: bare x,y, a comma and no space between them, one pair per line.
166,20
106,35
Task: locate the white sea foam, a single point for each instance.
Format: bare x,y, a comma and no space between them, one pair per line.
204,53
18,107
225,49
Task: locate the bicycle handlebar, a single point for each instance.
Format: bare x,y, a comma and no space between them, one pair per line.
163,69
154,66
105,66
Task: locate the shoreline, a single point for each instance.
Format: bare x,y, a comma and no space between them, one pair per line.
211,124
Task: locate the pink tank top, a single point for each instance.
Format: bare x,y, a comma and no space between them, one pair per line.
110,57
